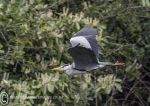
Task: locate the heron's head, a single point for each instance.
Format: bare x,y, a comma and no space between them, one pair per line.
68,69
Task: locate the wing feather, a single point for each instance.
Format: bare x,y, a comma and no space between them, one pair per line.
84,59
90,34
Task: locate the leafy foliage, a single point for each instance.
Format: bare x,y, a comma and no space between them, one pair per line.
34,34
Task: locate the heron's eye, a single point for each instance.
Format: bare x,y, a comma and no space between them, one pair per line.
78,45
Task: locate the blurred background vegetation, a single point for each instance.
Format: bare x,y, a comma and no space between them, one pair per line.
36,33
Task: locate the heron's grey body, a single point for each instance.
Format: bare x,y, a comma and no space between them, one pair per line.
84,52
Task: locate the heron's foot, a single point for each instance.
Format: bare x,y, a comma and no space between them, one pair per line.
118,63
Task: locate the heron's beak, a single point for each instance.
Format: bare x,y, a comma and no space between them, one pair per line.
58,69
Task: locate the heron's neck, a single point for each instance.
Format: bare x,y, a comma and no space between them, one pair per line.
101,66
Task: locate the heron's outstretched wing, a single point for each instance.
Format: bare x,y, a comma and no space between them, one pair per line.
86,31
89,34
84,58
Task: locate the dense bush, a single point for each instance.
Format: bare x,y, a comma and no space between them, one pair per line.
35,34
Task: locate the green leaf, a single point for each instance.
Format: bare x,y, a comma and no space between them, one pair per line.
44,44
56,77
2,51
51,87
148,99
1,46
118,87
107,90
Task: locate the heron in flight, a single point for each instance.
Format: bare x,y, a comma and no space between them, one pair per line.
85,53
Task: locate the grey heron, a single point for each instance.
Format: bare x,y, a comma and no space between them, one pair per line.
85,53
